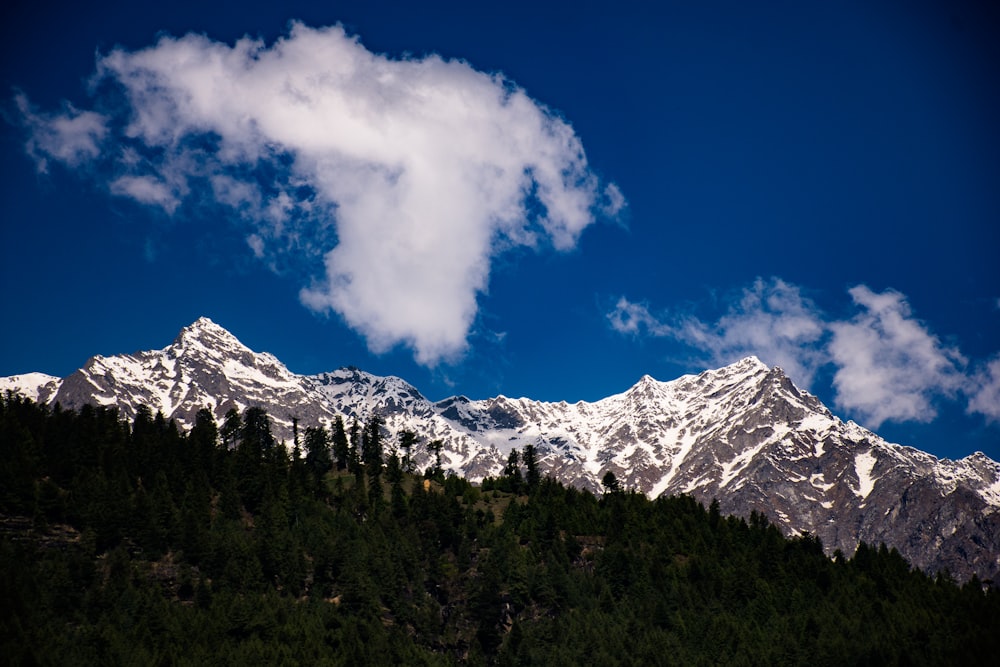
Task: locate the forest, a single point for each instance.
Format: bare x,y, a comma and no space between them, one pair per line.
131,542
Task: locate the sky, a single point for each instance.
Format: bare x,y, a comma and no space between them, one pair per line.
539,199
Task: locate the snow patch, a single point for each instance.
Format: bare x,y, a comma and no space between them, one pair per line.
991,493
815,422
863,466
819,482
695,484
687,442
732,468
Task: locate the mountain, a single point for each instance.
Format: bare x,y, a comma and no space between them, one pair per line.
742,434
205,367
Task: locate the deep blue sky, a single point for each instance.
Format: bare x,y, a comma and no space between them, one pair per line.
815,184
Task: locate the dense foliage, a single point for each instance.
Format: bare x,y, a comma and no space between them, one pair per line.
131,543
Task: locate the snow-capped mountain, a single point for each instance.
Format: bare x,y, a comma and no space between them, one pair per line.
743,434
205,367
39,387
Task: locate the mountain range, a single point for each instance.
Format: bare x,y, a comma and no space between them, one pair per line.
743,434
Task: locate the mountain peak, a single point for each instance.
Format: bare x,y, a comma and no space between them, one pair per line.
204,332
646,389
750,363
204,323
735,373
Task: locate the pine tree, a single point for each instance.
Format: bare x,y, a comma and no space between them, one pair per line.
512,472
318,460
232,426
354,453
203,441
255,448
394,475
407,441
611,483
372,456
372,443
435,447
532,476
341,445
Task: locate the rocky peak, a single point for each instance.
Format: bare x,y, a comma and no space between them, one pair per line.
646,390
204,335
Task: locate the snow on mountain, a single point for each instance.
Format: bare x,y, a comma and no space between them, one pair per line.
205,367
355,394
742,434
39,387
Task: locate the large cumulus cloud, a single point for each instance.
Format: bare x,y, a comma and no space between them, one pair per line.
408,176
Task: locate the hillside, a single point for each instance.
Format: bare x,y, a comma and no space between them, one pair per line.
135,543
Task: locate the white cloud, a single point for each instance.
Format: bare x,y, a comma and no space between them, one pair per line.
72,137
236,194
615,200
890,367
429,167
985,391
256,244
635,319
146,190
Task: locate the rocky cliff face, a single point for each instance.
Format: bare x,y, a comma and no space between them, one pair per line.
743,434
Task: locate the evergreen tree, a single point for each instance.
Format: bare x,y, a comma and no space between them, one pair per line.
512,473
407,441
610,483
232,426
204,441
341,445
318,460
532,476
435,447
354,454
372,456
255,449
372,443
394,475
256,435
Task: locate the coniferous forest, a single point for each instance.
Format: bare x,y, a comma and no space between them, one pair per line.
129,542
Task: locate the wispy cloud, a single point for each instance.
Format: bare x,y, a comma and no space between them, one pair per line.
427,167
614,201
888,365
635,319
984,392
146,190
771,320
70,136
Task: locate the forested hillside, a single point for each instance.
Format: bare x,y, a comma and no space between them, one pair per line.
132,543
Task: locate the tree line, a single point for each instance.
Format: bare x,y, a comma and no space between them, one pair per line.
129,541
